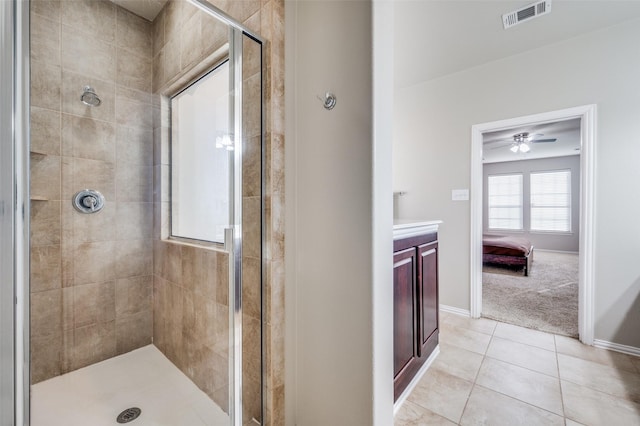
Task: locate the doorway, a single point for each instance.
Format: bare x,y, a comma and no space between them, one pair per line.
531,226
587,115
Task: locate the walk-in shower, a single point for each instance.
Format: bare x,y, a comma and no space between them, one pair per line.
124,311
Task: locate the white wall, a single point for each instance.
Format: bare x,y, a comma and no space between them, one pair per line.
540,240
339,313
432,123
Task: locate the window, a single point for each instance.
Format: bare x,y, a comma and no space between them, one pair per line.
505,201
551,201
200,158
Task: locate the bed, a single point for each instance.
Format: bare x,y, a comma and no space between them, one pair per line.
507,250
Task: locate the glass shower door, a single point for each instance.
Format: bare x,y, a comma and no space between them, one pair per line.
107,284
246,238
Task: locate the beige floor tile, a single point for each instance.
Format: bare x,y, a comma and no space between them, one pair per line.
568,346
442,393
531,357
569,422
458,362
411,414
481,325
529,386
486,407
465,339
603,378
591,407
525,335
444,315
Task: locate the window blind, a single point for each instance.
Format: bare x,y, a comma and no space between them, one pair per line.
505,201
551,201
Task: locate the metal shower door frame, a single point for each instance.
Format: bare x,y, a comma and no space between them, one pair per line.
233,234
14,212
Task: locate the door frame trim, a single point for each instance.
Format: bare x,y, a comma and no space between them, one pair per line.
587,114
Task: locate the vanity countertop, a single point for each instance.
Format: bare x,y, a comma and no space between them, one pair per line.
403,228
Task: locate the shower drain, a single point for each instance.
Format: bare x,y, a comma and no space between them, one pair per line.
129,415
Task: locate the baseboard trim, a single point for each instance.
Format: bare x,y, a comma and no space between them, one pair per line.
455,311
405,394
629,350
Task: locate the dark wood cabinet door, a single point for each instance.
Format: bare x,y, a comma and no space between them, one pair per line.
404,311
427,292
415,306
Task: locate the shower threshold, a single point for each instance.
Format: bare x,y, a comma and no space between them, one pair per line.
143,378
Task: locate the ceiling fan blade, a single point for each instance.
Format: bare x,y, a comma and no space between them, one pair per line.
544,140
498,141
501,146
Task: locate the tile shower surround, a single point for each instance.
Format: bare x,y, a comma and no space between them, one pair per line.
130,59
91,275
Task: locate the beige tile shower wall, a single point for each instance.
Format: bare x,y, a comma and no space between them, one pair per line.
91,275
183,38
272,29
251,228
191,314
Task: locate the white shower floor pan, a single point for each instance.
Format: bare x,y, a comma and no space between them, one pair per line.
143,378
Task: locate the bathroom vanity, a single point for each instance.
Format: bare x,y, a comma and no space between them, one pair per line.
415,298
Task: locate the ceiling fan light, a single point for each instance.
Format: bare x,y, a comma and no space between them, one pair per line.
524,147
514,148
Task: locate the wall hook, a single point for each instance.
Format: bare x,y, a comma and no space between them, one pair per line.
329,101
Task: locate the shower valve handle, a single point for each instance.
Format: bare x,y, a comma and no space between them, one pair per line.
90,202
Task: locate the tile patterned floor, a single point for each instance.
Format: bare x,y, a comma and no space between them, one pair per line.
491,373
143,378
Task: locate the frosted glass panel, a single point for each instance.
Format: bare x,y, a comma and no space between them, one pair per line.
200,157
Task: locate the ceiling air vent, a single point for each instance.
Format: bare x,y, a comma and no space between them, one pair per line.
525,13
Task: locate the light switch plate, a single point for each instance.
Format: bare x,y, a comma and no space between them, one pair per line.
460,195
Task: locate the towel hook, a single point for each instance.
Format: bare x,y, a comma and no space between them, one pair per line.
329,101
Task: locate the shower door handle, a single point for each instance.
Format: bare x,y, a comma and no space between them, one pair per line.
228,239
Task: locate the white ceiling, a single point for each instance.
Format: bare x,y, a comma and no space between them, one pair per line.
434,38
567,134
148,9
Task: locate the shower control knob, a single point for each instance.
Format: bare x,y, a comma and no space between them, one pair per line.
88,201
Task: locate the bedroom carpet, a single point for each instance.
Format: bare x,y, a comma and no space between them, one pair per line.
546,300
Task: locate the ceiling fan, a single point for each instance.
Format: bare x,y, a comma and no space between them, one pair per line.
520,141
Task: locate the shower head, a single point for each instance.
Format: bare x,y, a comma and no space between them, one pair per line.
89,97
